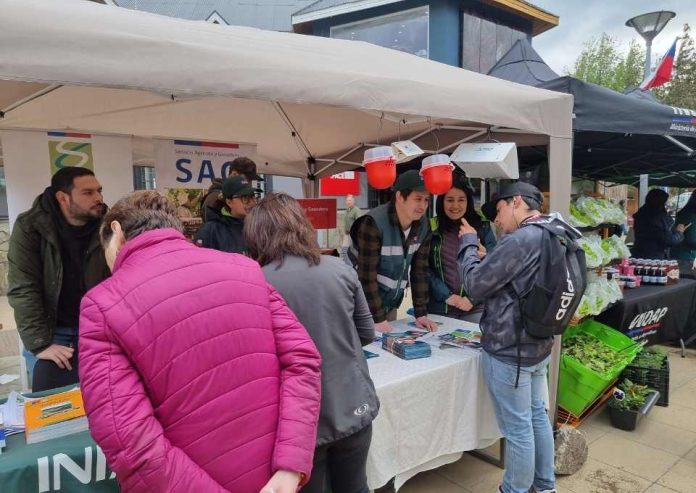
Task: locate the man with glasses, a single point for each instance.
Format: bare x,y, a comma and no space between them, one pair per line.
223,229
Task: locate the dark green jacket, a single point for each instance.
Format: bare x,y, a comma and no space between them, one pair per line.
36,273
686,250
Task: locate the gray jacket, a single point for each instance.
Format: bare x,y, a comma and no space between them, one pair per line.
504,275
329,301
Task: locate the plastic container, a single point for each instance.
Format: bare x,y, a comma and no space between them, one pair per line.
655,378
380,164
436,171
627,419
578,386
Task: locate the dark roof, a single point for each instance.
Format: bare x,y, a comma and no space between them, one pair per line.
523,64
274,15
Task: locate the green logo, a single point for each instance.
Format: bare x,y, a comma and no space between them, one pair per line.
66,153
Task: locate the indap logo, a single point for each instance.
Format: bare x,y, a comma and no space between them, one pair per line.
649,318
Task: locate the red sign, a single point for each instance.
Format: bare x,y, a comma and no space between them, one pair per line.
341,184
321,212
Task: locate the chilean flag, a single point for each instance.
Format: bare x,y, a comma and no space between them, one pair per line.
663,73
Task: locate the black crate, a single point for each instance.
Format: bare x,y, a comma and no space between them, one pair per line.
654,378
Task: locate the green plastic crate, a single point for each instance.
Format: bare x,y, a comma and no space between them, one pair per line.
578,386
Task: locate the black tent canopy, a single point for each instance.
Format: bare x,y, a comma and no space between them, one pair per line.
616,136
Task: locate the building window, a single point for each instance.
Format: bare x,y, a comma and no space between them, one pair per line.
484,42
144,178
404,31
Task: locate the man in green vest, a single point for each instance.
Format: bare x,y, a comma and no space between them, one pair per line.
389,241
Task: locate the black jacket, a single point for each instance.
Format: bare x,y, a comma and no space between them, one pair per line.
221,232
653,229
499,280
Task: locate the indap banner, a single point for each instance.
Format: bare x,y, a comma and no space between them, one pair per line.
344,183
195,163
321,212
70,149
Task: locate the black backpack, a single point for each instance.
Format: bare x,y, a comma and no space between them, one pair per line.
560,283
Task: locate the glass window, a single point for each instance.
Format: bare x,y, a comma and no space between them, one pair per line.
143,178
404,31
485,41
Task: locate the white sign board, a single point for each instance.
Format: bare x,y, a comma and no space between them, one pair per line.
194,164
30,158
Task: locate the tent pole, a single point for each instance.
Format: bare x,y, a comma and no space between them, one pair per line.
560,154
643,189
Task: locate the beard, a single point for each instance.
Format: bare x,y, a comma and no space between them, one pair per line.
83,214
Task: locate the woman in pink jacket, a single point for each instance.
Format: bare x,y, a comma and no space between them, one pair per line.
196,376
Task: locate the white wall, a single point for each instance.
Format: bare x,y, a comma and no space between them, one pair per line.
28,172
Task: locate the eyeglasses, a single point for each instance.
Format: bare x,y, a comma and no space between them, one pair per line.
246,199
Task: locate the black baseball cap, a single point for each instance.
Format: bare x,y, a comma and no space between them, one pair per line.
533,195
410,180
237,186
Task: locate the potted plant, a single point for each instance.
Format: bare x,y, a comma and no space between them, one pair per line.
630,402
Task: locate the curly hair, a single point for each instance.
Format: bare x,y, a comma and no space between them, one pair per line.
277,226
138,212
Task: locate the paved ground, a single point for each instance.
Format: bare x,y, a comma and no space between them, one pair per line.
658,457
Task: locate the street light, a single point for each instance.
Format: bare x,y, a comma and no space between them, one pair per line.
649,26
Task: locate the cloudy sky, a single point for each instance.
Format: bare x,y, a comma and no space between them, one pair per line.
581,20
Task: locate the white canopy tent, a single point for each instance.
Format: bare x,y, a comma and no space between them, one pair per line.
310,104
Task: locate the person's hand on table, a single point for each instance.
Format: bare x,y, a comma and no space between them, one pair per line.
282,482
383,327
60,355
425,323
466,228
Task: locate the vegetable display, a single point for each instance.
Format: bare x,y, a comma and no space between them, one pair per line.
591,212
599,294
592,353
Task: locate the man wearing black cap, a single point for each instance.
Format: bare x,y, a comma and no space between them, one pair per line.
223,231
386,242
241,166
514,363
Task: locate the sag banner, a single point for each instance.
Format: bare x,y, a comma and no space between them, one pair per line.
194,163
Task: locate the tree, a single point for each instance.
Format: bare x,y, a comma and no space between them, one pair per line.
602,62
681,90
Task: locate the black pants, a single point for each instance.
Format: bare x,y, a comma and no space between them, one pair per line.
48,375
339,467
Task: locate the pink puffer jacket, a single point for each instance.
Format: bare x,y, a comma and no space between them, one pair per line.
195,374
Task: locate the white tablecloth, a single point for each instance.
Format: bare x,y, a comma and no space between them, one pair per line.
432,409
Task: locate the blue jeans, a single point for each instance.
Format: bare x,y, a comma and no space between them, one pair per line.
523,421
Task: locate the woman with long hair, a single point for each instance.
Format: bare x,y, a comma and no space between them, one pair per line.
685,252
447,294
328,299
653,227
195,374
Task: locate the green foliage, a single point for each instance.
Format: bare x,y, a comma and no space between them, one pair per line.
592,352
653,358
602,62
634,397
681,90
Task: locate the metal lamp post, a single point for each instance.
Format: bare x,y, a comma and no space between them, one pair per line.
648,26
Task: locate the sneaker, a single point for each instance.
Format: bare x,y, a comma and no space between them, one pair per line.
534,490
